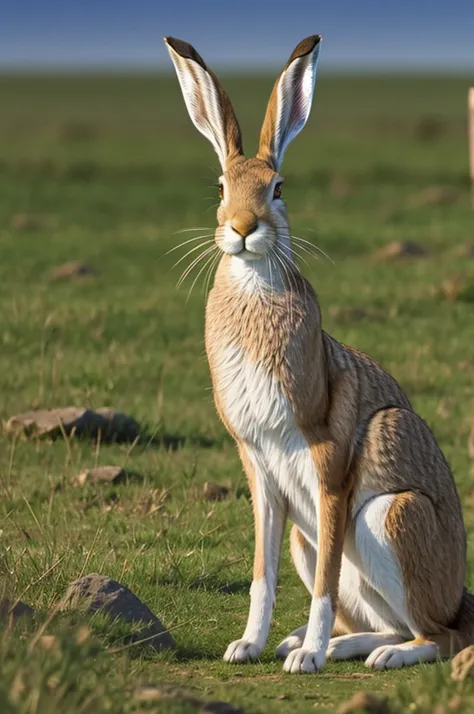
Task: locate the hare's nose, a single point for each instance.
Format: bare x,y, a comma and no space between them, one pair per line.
244,223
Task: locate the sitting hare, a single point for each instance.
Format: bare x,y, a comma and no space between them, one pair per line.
326,437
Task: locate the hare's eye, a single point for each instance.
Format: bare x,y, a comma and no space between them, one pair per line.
277,191
221,191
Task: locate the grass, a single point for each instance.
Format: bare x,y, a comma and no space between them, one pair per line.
106,169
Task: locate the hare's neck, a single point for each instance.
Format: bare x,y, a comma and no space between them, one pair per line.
258,278
274,330
262,307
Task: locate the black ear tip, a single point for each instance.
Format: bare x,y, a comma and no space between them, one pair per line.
306,46
185,50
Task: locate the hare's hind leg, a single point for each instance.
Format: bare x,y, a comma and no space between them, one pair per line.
421,527
409,545
429,596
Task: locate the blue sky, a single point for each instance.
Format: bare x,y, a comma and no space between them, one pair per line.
370,34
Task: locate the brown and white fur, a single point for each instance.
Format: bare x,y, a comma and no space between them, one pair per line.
327,438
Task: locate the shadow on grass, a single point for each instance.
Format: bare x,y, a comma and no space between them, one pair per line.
215,584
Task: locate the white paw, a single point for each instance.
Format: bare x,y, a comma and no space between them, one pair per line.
386,657
242,651
304,661
290,643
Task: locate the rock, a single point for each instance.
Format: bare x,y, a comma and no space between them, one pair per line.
98,592
435,196
15,610
401,249
46,423
462,665
31,222
429,128
364,703
70,270
102,474
152,693
214,491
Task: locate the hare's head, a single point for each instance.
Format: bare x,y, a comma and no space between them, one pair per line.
251,216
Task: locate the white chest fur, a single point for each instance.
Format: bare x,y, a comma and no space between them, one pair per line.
261,416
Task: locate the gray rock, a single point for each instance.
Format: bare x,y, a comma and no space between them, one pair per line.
50,423
214,491
401,249
101,474
31,222
71,270
99,592
11,609
153,693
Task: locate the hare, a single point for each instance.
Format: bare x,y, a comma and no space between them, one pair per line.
327,438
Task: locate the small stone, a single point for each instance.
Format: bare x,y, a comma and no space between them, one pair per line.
99,592
400,249
214,491
462,665
15,610
435,196
70,270
151,693
101,474
364,703
429,128
31,222
51,423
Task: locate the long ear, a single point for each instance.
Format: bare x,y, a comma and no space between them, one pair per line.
290,102
208,105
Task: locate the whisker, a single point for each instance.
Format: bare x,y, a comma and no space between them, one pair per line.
281,257
208,261
308,252
196,247
209,275
195,228
180,245
190,267
313,245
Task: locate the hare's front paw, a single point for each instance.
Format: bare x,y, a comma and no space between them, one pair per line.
242,651
304,661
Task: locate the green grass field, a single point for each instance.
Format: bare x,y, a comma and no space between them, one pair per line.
106,170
